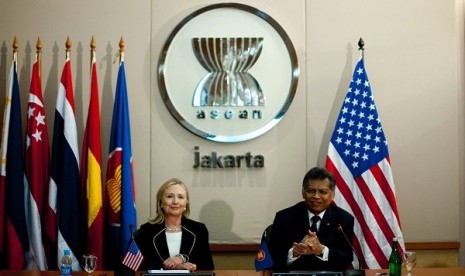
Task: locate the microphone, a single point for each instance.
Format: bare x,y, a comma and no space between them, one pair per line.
352,272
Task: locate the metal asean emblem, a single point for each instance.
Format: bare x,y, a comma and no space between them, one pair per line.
228,72
228,82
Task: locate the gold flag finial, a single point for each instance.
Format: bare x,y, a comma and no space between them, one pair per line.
15,44
15,49
39,54
122,44
39,45
68,45
93,44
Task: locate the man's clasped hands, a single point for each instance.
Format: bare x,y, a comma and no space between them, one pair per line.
310,245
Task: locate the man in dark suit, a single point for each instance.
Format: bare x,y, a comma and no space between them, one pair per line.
298,243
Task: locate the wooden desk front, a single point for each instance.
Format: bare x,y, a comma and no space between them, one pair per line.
445,271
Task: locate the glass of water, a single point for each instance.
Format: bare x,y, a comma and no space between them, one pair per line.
409,261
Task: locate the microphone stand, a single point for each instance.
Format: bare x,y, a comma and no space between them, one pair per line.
352,272
360,271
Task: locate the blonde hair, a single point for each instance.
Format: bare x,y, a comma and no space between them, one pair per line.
160,216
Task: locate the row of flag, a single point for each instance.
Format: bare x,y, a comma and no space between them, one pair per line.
56,201
358,157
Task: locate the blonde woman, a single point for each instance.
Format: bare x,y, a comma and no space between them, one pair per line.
171,240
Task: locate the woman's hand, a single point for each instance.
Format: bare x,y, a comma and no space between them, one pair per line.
188,266
178,262
173,262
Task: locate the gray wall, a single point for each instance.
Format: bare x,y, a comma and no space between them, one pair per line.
414,59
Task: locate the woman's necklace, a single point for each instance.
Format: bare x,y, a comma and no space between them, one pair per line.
173,229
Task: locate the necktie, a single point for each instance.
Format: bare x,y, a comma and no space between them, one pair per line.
314,227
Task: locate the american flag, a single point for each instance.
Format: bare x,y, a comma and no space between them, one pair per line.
133,257
358,157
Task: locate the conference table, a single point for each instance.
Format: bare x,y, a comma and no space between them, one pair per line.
443,271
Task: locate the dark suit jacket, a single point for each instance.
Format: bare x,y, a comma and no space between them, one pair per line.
151,240
292,224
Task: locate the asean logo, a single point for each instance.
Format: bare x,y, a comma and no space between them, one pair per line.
228,72
261,255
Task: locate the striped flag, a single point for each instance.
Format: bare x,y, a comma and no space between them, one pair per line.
120,196
358,157
91,172
15,236
65,188
3,150
37,170
133,257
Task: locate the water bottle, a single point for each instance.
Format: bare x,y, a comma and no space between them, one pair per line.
66,264
395,261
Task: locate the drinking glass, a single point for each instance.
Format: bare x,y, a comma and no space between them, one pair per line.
89,263
409,261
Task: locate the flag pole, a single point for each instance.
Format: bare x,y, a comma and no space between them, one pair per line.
122,44
93,45
361,45
131,228
68,47
39,55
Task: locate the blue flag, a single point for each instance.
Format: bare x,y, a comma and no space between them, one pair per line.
120,197
12,171
263,260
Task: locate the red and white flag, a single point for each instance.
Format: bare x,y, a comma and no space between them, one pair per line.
37,171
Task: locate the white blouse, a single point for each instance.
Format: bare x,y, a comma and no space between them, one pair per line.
174,242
